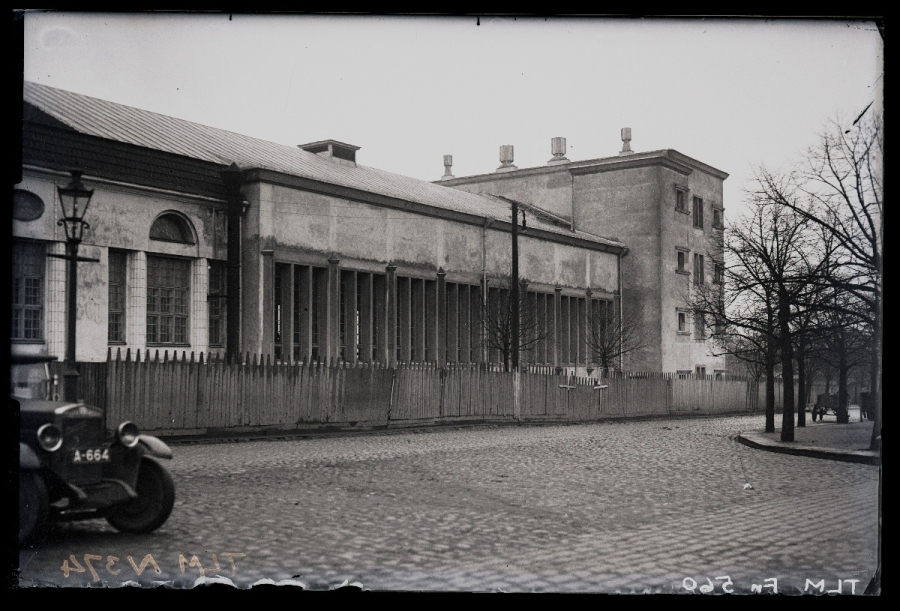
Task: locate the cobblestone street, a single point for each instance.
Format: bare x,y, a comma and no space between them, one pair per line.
657,506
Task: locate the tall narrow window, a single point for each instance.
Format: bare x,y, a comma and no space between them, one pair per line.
318,304
698,212
682,262
717,218
679,201
718,273
682,322
379,314
168,296
719,325
300,312
217,303
698,269
361,295
342,325
117,283
699,325
27,291
416,320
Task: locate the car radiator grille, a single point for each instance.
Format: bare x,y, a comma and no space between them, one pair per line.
81,433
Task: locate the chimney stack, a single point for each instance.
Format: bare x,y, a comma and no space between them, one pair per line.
626,142
558,148
448,163
506,159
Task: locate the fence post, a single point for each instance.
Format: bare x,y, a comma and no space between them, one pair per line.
516,396
391,400
669,395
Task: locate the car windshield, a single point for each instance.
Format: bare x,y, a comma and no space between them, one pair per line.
30,381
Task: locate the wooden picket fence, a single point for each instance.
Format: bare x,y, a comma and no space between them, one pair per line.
182,395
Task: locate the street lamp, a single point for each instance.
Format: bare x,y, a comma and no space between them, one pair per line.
74,200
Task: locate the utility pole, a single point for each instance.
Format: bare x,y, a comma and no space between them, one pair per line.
514,289
515,323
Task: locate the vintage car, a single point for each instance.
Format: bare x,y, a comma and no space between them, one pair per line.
71,467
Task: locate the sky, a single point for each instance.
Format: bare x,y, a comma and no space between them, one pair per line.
732,93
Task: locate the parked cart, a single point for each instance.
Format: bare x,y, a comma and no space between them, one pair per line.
825,403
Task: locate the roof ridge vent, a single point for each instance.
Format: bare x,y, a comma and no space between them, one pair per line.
337,151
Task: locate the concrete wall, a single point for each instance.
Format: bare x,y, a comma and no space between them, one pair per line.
551,191
309,228
686,351
636,206
119,217
624,204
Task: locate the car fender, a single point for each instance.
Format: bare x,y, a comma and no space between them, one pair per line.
28,458
154,446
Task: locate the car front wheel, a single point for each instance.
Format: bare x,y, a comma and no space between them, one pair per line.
155,499
33,506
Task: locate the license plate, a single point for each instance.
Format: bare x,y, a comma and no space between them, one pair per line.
90,456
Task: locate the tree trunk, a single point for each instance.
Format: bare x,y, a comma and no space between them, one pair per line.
810,381
802,399
770,392
843,416
875,380
787,370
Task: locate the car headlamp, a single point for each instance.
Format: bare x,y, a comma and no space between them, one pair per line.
49,437
128,434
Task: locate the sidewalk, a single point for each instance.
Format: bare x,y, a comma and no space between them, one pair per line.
828,440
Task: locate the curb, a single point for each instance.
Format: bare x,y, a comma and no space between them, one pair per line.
243,434
758,441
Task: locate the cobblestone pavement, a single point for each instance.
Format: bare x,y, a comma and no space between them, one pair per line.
649,506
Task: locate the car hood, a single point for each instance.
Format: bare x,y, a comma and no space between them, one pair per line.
35,412
39,406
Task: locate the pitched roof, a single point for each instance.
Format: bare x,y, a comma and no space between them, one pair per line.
103,119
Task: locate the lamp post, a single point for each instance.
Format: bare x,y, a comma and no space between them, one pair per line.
74,200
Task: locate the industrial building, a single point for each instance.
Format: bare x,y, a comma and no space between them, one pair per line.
202,240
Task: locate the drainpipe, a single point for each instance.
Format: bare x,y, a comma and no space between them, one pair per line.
233,178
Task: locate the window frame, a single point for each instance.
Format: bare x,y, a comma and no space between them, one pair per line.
681,316
718,223
719,325
216,294
698,212
162,315
681,195
175,221
718,273
699,320
20,292
121,287
681,266
699,269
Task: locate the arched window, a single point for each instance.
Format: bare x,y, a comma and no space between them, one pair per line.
171,227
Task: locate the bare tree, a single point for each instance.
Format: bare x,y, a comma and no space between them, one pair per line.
844,344
608,336
770,256
497,317
750,352
842,180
